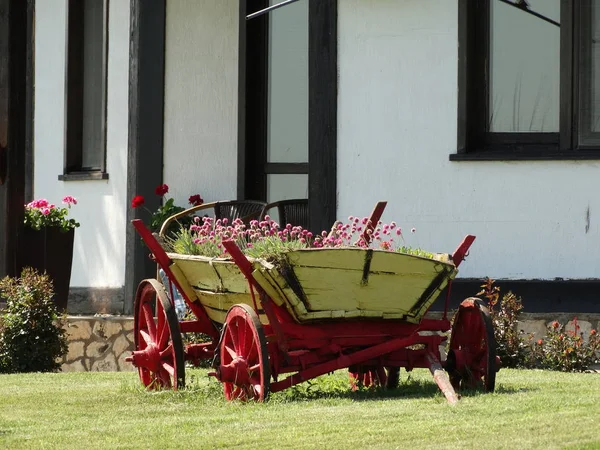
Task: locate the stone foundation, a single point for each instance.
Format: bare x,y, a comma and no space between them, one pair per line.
102,343
98,344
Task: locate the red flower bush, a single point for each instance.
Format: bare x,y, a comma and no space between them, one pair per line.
137,201
166,210
161,190
195,200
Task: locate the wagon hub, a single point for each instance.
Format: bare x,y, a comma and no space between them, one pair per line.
235,372
148,358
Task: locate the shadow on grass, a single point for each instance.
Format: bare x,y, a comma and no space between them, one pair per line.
206,389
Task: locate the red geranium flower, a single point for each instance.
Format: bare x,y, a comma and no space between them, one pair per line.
593,332
196,200
161,190
540,342
138,200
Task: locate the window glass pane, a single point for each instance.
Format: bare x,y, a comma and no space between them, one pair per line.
589,130
93,78
524,66
288,83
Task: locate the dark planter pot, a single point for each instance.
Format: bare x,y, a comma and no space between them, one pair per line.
50,250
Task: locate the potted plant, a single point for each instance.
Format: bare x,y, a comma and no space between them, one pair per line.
48,244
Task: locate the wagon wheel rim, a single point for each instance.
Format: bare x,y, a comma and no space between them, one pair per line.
158,354
244,359
472,355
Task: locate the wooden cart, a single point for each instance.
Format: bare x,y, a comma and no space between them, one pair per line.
319,310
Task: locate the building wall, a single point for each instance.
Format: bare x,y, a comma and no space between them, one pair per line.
397,124
98,259
201,96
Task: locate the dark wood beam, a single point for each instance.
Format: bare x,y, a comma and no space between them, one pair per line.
322,113
146,108
14,44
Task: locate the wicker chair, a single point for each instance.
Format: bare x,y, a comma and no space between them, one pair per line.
294,211
246,210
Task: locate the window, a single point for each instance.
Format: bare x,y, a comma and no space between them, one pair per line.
85,156
529,79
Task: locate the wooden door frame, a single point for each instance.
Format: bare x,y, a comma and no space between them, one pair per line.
322,110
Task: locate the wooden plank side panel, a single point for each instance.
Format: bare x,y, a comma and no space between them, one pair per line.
338,258
200,275
400,263
216,305
331,289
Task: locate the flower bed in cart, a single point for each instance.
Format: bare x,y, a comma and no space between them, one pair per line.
357,270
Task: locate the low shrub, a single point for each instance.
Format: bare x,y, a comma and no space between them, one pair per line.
32,337
512,345
566,350
560,349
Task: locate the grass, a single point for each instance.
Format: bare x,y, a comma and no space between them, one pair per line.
531,409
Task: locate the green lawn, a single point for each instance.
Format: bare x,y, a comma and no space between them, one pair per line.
531,409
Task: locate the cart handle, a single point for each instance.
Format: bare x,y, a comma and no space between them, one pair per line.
461,251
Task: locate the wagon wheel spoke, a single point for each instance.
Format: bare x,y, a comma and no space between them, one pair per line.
254,367
167,352
234,340
242,338
231,352
252,352
149,317
146,337
169,368
164,337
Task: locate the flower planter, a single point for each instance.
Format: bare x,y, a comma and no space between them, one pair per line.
50,250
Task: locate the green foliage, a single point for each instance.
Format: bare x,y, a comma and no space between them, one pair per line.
560,349
415,252
31,335
166,210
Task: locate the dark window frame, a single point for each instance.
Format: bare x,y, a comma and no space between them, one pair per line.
474,142
73,169
253,166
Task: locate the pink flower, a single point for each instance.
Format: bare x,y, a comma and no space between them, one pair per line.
398,231
69,200
41,203
45,211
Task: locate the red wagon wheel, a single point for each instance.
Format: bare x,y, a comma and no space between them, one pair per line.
244,368
472,356
374,376
158,353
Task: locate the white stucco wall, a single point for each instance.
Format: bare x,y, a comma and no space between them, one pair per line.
201,96
99,254
397,124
